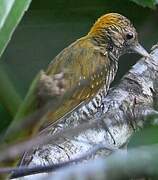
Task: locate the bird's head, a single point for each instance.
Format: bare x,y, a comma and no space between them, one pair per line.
116,34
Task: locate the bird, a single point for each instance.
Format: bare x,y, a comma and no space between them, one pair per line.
93,57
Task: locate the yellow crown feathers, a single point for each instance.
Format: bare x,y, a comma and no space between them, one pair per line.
108,20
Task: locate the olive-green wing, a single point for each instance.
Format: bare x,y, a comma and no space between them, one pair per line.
80,61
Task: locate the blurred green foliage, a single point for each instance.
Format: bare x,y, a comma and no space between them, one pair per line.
11,12
145,136
146,3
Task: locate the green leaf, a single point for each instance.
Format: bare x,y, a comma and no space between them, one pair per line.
11,12
28,106
9,97
146,3
146,136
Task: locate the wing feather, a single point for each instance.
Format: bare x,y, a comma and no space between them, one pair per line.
79,61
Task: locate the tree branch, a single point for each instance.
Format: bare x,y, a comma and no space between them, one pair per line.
137,163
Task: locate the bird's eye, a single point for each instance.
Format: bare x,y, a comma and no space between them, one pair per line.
129,36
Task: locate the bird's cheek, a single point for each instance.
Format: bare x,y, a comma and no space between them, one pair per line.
118,41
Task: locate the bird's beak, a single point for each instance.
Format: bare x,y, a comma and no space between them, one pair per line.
140,50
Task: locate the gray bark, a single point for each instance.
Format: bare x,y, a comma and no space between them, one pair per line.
137,163
122,112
